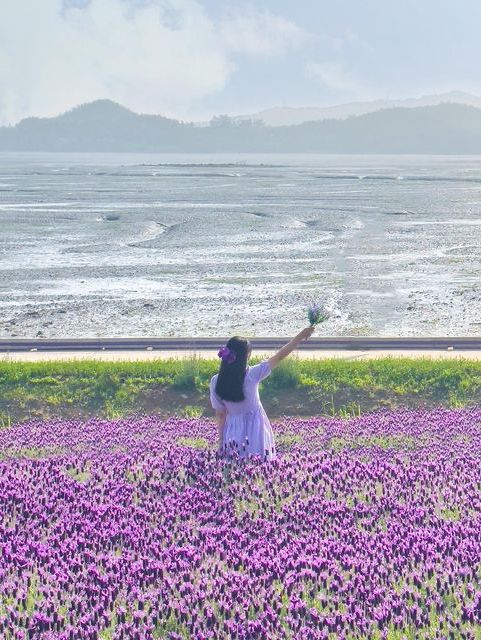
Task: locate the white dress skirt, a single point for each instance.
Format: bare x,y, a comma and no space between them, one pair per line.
247,429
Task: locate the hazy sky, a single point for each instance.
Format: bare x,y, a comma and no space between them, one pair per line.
196,58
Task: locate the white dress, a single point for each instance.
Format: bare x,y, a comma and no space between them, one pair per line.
247,429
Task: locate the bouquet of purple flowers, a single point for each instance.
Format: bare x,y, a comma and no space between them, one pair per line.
316,314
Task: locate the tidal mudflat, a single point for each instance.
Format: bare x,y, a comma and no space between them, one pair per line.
96,245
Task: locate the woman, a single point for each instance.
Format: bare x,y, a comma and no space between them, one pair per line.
234,392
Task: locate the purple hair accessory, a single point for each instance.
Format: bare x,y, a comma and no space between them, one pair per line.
226,354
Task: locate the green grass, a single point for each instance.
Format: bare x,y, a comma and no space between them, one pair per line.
331,387
79,476
384,442
5,421
191,412
193,443
287,440
32,453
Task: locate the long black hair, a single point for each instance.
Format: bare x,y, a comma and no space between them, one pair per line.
230,381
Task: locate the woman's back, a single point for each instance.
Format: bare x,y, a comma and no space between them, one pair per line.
251,402
247,429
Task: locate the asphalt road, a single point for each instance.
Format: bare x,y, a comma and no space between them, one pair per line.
8,345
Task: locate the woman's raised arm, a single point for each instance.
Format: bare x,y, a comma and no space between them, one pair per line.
290,346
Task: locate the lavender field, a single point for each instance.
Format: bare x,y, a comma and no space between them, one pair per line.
362,528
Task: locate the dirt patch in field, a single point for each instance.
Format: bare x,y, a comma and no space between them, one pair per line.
166,400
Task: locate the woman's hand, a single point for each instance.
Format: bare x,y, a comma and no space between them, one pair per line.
307,332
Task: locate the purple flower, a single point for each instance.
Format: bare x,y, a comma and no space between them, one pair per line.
316,314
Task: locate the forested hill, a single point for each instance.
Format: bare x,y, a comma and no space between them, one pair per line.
105,126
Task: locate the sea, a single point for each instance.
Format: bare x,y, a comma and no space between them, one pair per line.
215,245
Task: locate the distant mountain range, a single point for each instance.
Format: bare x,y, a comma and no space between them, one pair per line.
286,116
105,126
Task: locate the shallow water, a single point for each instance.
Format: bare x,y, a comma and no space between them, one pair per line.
109,245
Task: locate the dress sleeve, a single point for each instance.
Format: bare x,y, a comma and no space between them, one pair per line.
261,370
215,401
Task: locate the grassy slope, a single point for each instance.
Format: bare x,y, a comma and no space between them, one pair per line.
297,387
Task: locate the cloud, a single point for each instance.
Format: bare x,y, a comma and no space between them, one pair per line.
334,76
157,56
259,34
